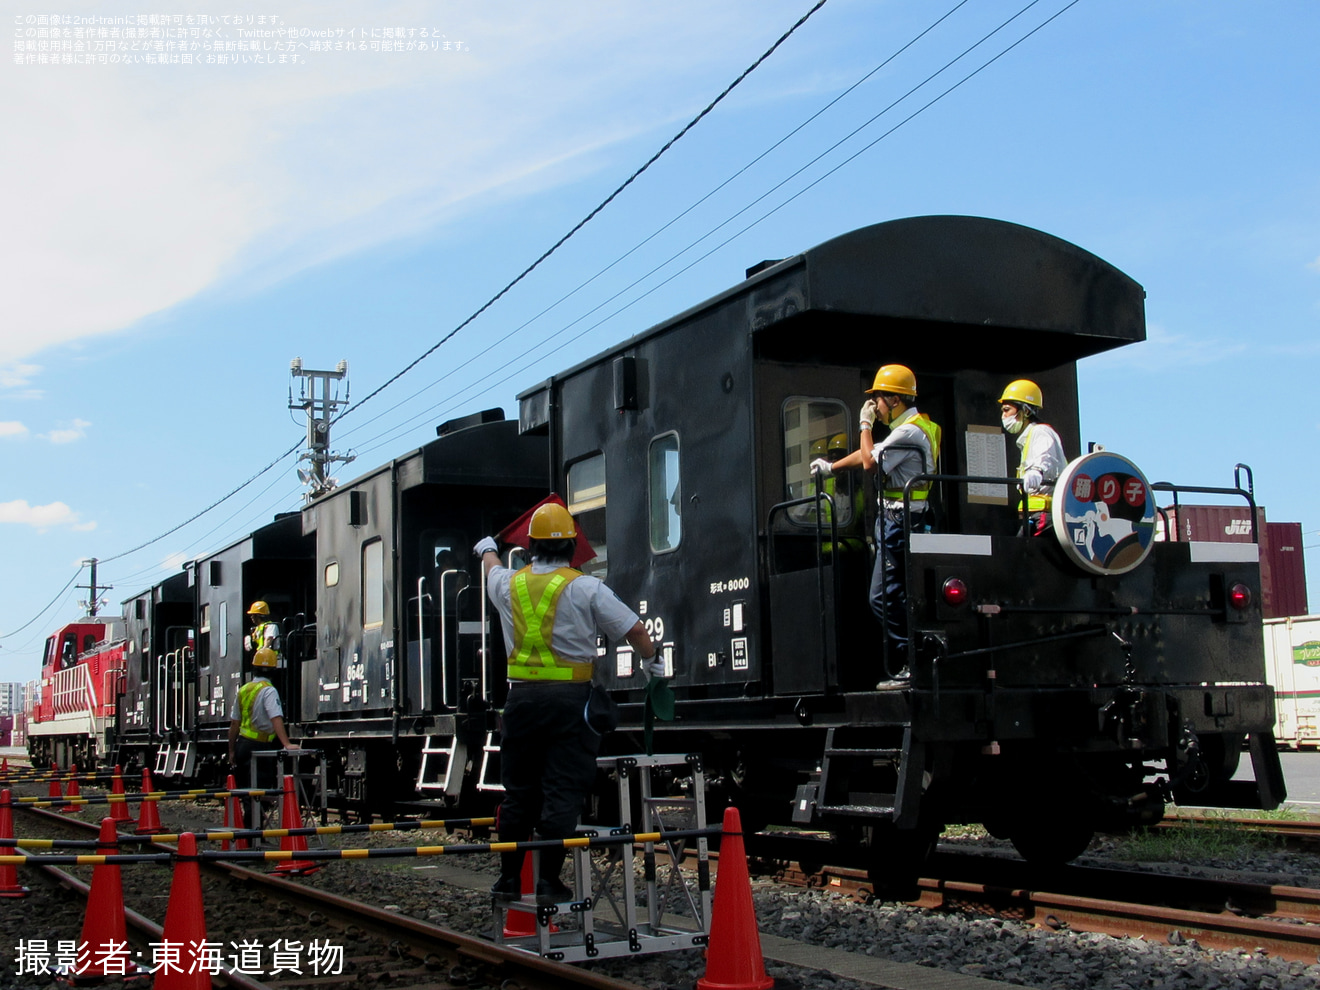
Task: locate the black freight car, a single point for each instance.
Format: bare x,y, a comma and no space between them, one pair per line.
1042,693
187,655
398,689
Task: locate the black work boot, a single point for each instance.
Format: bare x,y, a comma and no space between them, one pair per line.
509,886
549,888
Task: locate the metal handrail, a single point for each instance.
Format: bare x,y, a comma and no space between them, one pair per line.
1243,493
444,635
421,642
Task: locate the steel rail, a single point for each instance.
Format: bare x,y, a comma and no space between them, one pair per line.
454,948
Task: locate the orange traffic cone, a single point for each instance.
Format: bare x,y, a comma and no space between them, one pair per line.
119,809
185,924
734,960
104,934
291,817
9,886
233,816
73,790
149,816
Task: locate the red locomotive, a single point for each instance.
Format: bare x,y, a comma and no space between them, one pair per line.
71,720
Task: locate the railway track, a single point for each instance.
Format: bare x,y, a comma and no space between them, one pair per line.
1284,921
381,946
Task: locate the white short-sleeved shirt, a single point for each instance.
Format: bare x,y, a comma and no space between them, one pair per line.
266,708
898,462
587,607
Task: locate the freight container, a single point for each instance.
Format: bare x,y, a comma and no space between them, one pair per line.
1281,558
6,730
1282,574
1292,658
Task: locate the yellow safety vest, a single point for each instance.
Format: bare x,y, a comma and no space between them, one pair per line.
247,696
921,491
534,599
1036,502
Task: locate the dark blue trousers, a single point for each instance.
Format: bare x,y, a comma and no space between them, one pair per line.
889,584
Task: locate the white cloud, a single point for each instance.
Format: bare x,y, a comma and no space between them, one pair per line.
17,377
243,176
1314,265
12,428
68,434
1163,351
41,517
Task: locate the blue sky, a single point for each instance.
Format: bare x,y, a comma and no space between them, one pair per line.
176,234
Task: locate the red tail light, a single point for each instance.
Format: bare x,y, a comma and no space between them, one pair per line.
1239,596
954,591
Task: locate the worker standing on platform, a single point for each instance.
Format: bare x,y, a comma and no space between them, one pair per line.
912,448
1041,459
255,721
551,615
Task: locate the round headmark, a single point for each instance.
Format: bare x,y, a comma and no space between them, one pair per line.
1104,513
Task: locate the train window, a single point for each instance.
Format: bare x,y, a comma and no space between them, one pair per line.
89,640
332,574
816,428
69,649
665,494
223,617
373,584
586,500
206,618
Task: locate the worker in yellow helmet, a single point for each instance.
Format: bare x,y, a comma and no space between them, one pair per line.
551,614
263,642
1041,456
912,448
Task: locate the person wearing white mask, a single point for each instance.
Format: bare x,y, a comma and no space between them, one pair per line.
1041,459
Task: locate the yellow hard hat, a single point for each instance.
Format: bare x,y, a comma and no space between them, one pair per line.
552,522
895,378
266,657
818,448
259,608
838,443
1022,391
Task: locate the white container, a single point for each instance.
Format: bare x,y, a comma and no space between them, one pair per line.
1292,665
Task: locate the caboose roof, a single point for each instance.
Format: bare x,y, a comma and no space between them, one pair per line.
960,291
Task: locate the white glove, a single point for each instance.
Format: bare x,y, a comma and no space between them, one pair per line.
655,667
823,467
867,419
486,545
1032,480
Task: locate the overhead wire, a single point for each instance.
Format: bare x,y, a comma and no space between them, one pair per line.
590,216
665,226
53,602
545,341
535,264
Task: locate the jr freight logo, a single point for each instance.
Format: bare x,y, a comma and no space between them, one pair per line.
1238,527
1307,654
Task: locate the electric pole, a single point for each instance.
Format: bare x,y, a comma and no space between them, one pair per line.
318,397
93,603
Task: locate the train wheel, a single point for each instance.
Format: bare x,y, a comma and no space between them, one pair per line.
1051,843
895,859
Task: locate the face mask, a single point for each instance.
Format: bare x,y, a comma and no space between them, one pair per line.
1011,424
